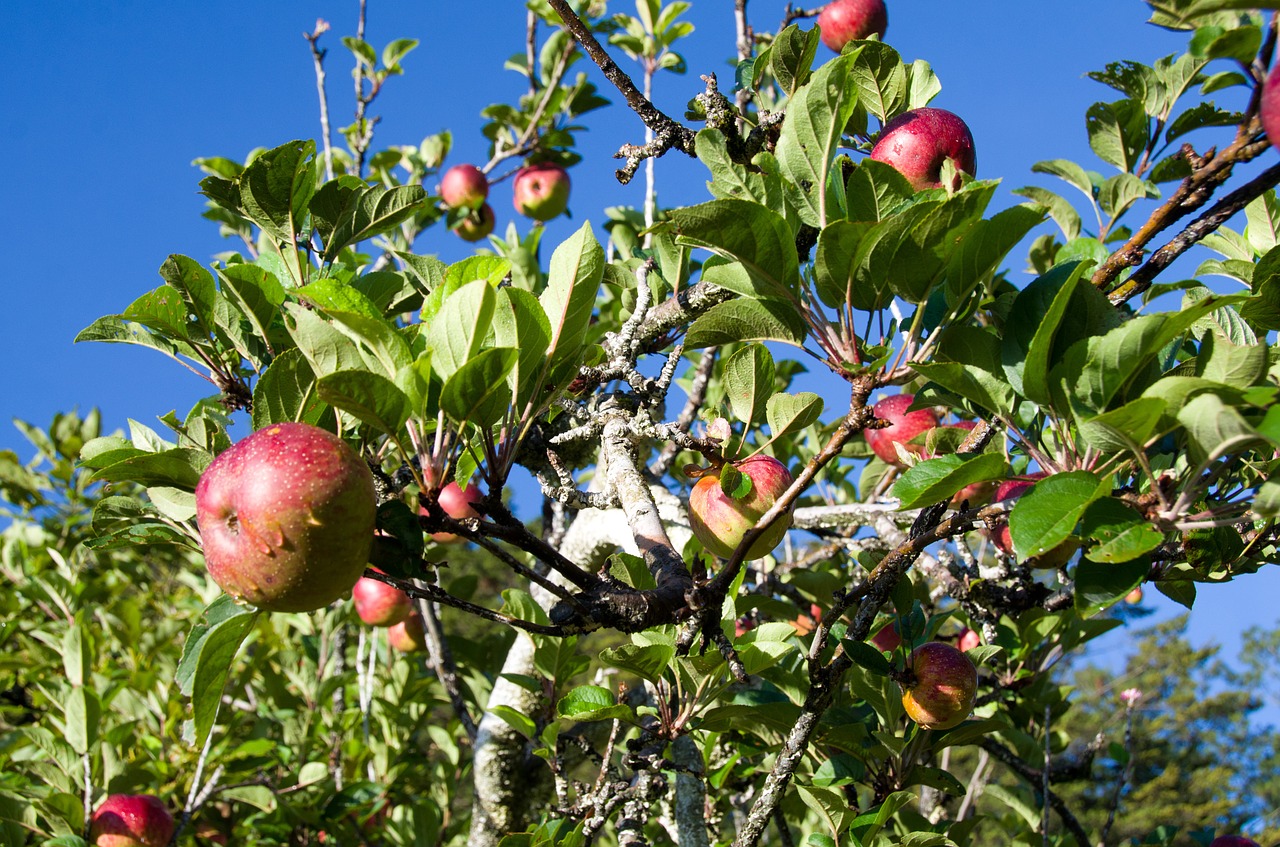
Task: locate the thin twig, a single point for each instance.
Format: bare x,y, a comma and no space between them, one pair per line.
440,657
317,58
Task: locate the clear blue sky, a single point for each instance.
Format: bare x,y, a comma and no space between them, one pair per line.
106,104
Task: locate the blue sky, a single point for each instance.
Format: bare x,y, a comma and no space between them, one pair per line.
106,104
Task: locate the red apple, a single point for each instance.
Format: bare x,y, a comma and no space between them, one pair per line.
742,626
477,225
1134,597
1269,107
541,191
380,604
1233,840
131,820
968,639
457,504
903,426
887,639
287,518
941,686
408,636
720,521
842,21
464,187
919,141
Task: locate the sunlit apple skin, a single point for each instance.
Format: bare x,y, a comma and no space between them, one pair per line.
541,191
917,142
719,522
464,187
1269,107
477,225
903,426
287,518
408,636
1233,841
887,639
842,21
380,604
942,687
1134,597
459,505
131,820
968,639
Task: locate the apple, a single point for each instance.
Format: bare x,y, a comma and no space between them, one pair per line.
541,191
887,639
842,21
903,426
408,636
457,504
477,225
1269,107
1134,597
131,820
286,518
464,187
742,626
968,639
719,521
941,685
917,142
380,604
1233,840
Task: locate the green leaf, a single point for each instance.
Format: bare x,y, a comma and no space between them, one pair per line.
647,661
592,703
326,349
206,659
1047,514
1129,427
82,713
875,191
936,480
372,398
195,286
1060,210
180,468
77,654
1101,584
811,133
747,320
520,723
277,187
880,79
835,268
1118,132
1215,428
577,266
1120,532
730,179
985,248
1123,190
286,391
458,331
748,381
756,237
358,318
477,392
1029,348
256,292
173,503
791,57
519,322
788,413
1069,172
368,212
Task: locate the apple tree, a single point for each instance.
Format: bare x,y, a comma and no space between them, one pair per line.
663,595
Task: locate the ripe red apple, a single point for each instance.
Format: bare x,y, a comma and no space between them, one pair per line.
457,504
379,604
131,820
842,21
742,626
720,521
968,639
919,141
941,687
464,186
287,518
1233,840
541,191
1269,107
903,426
887,639
477,225
408,636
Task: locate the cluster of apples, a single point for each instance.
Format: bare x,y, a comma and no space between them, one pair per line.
540,191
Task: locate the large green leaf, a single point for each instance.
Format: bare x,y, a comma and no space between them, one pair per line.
477,392
810,138
747,233
577,266
286,391
210,649
1047,514
747,320
748,381
936,480
372,398
276,188
372,211
519,322
458,331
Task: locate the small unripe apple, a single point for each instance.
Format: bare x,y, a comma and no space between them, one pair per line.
131,820
941,686
903,426
887,639
1134,597
464,187
380,604
457,504
541,191
1233,841
287,518
1269,107
968,639
917,142
719,521
842,21
477,225
408,636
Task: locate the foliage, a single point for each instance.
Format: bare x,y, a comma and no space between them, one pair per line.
653,693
